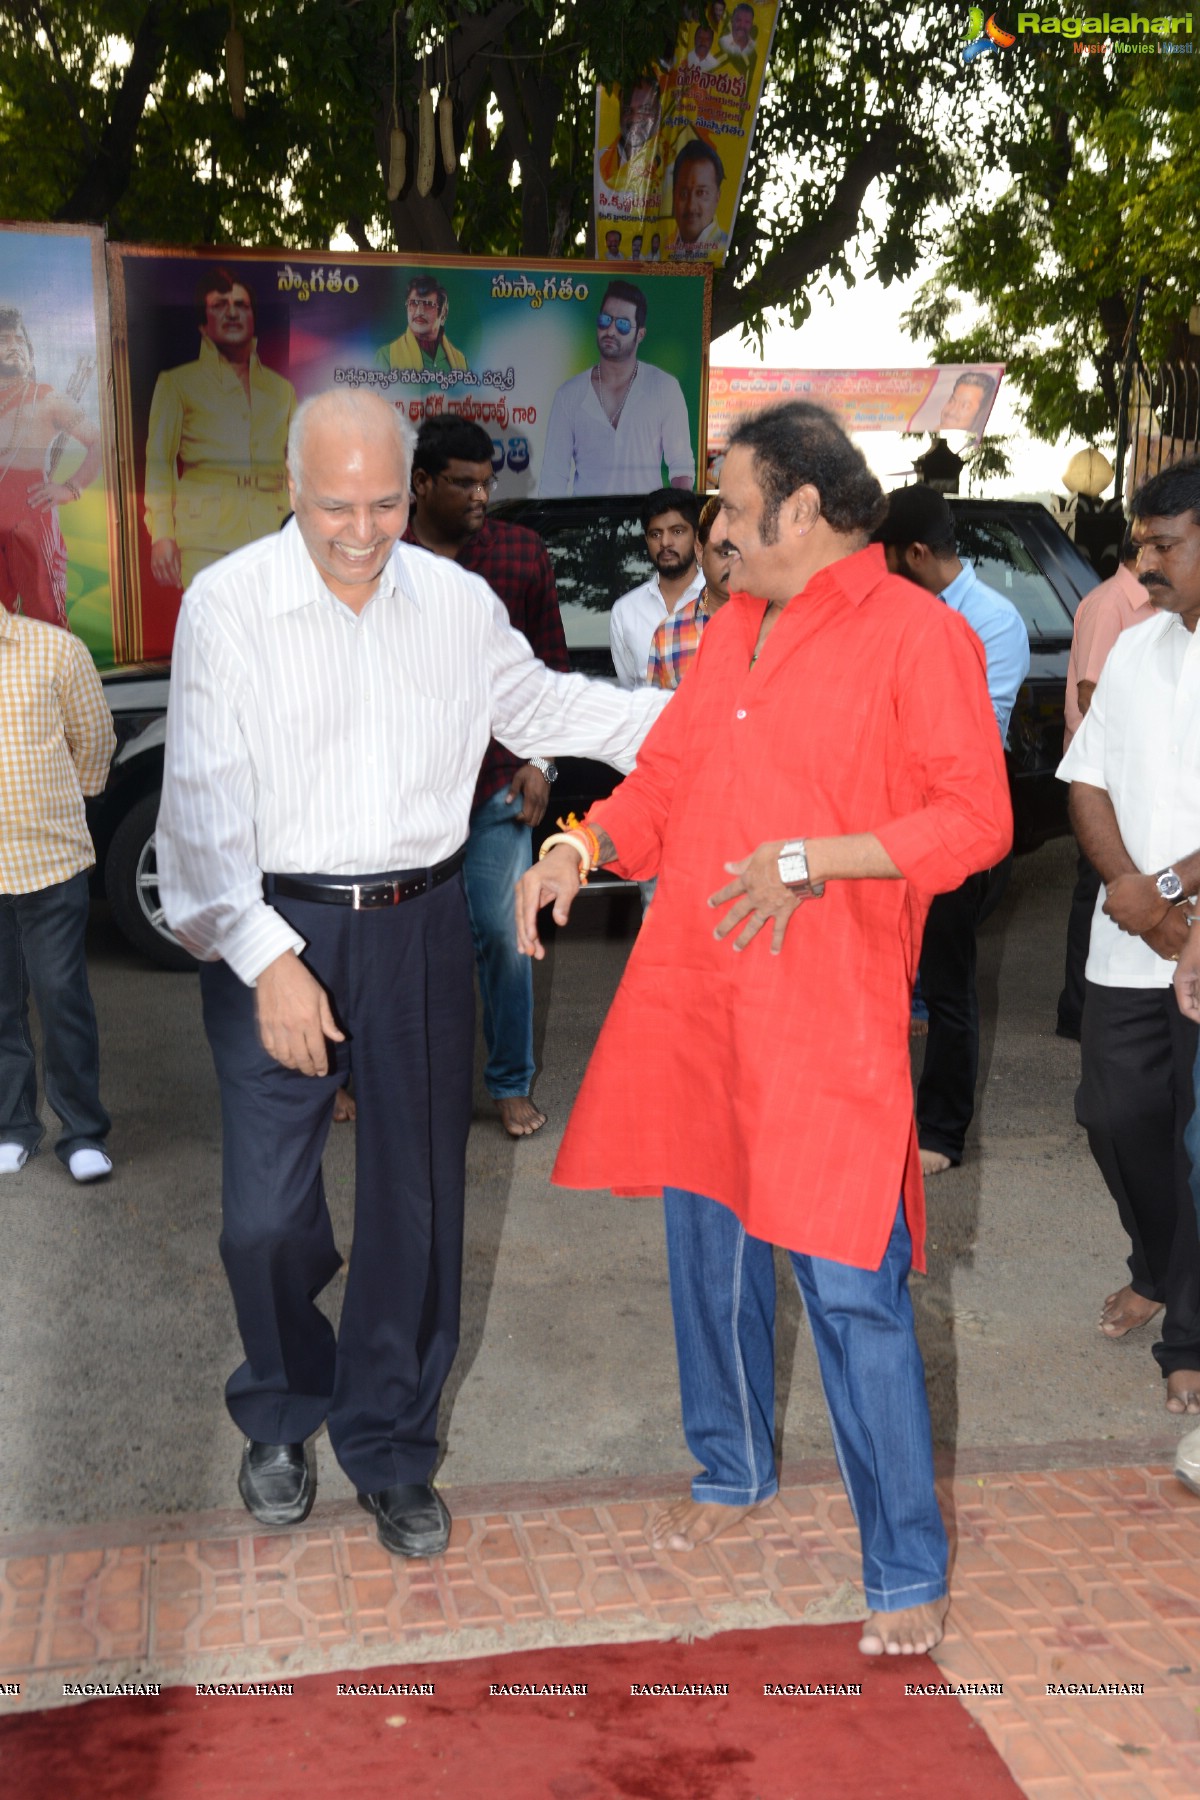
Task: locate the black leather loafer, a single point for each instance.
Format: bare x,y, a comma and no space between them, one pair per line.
411,1521
275,1482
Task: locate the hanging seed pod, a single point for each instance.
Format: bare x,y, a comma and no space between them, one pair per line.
235,71
397,150
446,122
445,113
425,141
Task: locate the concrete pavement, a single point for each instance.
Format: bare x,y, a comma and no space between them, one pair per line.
117,1331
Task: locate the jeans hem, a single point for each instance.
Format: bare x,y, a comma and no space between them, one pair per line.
709,1495
511,1093
922,1593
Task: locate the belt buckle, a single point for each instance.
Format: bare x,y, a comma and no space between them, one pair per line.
371,895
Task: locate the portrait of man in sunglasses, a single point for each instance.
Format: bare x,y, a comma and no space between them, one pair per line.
615,427
424,345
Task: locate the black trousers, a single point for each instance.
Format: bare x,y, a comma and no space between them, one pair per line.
1079,935
946,1090
1134,1100
401,985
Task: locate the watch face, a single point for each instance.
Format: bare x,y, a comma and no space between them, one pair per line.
1169,885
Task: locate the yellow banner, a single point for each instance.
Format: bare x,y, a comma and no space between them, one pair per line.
672,147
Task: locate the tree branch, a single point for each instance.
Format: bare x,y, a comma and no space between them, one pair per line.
785,272
105,179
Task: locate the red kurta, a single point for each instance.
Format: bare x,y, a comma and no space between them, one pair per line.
781,1085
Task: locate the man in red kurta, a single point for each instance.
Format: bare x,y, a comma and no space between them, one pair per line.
834,751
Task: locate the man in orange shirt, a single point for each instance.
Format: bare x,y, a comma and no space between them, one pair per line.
830,763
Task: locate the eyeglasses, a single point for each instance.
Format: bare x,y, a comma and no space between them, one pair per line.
467,484
624,326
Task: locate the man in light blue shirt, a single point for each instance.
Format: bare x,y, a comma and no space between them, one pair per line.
919,542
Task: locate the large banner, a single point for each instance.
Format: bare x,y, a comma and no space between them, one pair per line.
950,398
58,508
672,147
587,383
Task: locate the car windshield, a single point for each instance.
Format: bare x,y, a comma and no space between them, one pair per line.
1002,561
596,560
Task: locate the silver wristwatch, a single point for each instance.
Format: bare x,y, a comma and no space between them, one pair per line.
793,863
545,768
1170,887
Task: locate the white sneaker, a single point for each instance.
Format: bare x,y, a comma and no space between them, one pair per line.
90,1165
12,1158
1187,1459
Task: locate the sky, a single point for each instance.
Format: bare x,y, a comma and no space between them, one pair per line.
860,328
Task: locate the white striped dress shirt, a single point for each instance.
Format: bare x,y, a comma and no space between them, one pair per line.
305,739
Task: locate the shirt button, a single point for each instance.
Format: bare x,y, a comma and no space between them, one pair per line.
741,712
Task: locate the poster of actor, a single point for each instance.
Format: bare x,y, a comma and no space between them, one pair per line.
672,146
57,538
213,352
203,350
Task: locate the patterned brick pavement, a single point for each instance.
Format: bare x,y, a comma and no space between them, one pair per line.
1080,1577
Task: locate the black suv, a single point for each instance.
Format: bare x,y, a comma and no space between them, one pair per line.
598,552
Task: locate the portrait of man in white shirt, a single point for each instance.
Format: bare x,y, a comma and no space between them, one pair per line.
613,428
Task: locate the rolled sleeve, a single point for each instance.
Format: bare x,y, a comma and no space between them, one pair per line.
1084,760
965,824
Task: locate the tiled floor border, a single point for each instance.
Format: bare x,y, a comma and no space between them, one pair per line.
1064,1578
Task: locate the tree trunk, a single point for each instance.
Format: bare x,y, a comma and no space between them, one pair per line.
102,185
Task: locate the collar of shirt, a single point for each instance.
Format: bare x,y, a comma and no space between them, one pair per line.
480,539
654,588
1131,588
854,577
955,594
220,366
296,581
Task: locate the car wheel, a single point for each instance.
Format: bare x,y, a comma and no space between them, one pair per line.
131,885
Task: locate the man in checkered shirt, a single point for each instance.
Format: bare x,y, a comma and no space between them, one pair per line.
56,742
676,641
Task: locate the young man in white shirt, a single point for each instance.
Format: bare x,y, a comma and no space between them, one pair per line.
670,517
1134,769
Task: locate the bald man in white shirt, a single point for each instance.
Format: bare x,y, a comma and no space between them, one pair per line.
332,697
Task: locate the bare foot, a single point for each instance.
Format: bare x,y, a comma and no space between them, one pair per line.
933,1162
519,1116
1183,1391
687,1523
1126,1311
906,1633
344,1110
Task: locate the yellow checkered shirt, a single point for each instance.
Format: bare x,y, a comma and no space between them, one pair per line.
56,742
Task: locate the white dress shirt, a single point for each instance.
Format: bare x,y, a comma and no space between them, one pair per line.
1140,742
305,739
584,455
633,621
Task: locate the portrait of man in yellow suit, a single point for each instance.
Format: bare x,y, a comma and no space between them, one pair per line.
215,449
425,344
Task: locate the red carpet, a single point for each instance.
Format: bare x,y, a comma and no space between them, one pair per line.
463,1743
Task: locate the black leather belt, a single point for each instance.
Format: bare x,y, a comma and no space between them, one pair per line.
372,892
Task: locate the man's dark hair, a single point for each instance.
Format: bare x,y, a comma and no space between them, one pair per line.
670,499
1171,492
220,281
632,296
645,80
918,515
1129,549
976,378
426,285
11,320
694,151
797,444
449,439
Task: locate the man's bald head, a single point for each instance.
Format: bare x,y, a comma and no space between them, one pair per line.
349,456
350,414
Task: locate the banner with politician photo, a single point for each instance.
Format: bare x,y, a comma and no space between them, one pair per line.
58,511
672,145
587,382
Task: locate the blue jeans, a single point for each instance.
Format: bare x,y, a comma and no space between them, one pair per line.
723,1301
498,854
42,948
